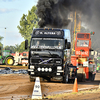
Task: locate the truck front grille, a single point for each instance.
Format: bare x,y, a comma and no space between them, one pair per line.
56,61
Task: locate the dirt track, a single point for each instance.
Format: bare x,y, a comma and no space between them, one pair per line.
18,86
13,67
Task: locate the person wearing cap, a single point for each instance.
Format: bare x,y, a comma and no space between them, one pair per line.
92,69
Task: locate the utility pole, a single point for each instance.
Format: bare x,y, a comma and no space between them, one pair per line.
77,28
74,33
5,38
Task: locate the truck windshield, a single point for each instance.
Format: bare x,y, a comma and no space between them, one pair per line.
83,43
47,43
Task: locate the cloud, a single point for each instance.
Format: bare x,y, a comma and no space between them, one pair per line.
5,10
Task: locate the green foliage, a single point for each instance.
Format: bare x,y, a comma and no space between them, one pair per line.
27,23
1,45
98,64
98,58
11,48
1,38
22,47
17,48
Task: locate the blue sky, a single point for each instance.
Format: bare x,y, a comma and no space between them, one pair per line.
11,12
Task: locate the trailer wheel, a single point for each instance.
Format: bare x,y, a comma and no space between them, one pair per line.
9,61
65,77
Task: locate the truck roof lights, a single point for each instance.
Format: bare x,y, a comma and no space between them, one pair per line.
92,33
74,31
82,50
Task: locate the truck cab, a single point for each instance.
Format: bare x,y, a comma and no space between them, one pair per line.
82,56
49,54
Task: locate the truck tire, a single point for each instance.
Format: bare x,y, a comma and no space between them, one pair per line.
9,61
49,79
65,77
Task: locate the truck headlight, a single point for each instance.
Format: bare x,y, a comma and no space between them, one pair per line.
32,52
57,73
46,69
32,72
31,67
39,69
58,62
42,69
59,67
50,69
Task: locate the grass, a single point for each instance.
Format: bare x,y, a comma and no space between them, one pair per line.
54,97
65,95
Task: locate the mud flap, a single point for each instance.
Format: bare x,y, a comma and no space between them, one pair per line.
70,72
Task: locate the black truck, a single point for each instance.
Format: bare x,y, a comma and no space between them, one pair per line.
49,55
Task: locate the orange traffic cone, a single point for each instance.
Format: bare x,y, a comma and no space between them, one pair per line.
75,88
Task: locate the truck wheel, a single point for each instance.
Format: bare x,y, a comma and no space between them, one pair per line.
9,61
65,78
49,79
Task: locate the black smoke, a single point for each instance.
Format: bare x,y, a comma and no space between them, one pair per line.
51,14
54,13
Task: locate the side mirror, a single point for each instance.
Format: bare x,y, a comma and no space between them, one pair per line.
65,43
68,45
26,44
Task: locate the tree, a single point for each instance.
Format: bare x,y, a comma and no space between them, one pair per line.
17,46
11,48
1,45
27,23
22,47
